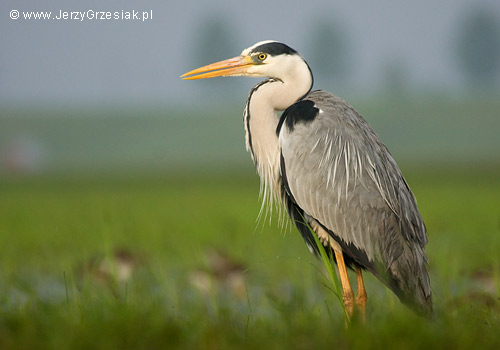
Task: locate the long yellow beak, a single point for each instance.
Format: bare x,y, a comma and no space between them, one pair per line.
231,67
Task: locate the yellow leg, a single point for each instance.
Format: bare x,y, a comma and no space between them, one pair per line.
347,294
361,296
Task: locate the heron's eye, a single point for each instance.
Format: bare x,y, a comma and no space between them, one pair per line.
262,56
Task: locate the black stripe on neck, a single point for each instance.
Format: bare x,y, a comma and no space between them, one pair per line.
247,113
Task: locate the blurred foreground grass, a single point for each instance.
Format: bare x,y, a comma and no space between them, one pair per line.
64,241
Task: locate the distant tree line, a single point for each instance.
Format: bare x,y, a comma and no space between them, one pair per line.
478,49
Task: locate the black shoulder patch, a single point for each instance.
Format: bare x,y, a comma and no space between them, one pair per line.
275,49
300,112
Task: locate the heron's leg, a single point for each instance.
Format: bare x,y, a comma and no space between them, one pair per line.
347,294
361,295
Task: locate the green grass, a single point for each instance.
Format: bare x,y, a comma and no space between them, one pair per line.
49,228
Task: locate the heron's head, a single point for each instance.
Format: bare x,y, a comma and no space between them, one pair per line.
264,59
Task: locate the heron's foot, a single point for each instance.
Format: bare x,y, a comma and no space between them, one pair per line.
348,299
361,306
361,296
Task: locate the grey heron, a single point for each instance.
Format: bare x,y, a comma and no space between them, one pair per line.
323,162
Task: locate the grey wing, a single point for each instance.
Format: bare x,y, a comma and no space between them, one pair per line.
339,173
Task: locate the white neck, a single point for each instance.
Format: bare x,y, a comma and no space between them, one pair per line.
261,120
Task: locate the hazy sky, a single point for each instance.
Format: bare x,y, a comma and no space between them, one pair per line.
95,61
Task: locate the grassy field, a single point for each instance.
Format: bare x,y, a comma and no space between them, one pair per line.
65,244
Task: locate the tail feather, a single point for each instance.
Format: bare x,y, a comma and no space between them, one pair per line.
410,280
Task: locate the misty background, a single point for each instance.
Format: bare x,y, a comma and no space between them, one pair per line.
105,95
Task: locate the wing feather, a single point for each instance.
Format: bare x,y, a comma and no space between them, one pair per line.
339,173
